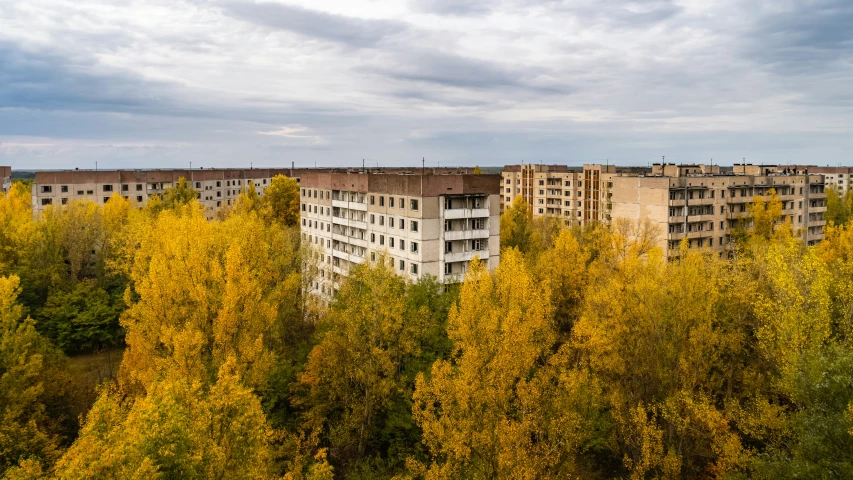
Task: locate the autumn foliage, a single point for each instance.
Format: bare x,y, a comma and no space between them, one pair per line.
586,354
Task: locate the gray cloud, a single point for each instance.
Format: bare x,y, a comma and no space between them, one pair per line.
455,7
805,37
456,71
349,31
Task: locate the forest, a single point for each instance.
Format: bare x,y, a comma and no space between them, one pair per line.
586,354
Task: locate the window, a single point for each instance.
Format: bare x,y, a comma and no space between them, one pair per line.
413,205
391,242
228,183
391,202
448,247
448,226
46,201
414,269
479,223
46,189
219,194
402,203
381,201
90,192
381,239
414,225
402,224
63,189
371,219
105,199
478,244
381,220
64,201
218,184
138,187
507,199
197,185
402,245
371,200
448,268
402,266
391,222
372,256
541,211
414,246
139,198
541,182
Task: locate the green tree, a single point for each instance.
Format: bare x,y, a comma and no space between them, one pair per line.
34,388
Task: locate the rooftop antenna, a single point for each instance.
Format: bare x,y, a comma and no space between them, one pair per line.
362,164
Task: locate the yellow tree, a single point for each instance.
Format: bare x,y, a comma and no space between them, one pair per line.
515,225
354,371
280,202
650,332
180,429
765,214
201,291
503,406
564,269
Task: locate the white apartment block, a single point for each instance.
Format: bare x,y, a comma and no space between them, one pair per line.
5,179
216,187
425,224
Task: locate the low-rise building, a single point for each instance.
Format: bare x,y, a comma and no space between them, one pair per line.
216,187
5,179
423,223
700,204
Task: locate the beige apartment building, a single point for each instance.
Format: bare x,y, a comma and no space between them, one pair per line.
5,179
424,222
839,178
573,194
701,204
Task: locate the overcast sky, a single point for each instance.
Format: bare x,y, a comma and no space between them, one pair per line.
227,83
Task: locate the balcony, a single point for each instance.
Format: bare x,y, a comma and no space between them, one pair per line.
465,256
347,256
350,205
466,234
346,222
350,240
457,213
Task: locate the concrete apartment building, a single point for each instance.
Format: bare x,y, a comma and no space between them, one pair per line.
575,195
701,204
425,222
5,179
839,178
216,187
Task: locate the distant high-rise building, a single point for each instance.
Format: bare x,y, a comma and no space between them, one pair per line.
5,178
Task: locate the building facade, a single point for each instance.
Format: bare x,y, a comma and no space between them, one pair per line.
705,208
5,179
839,178
424,223
216,187
576,195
